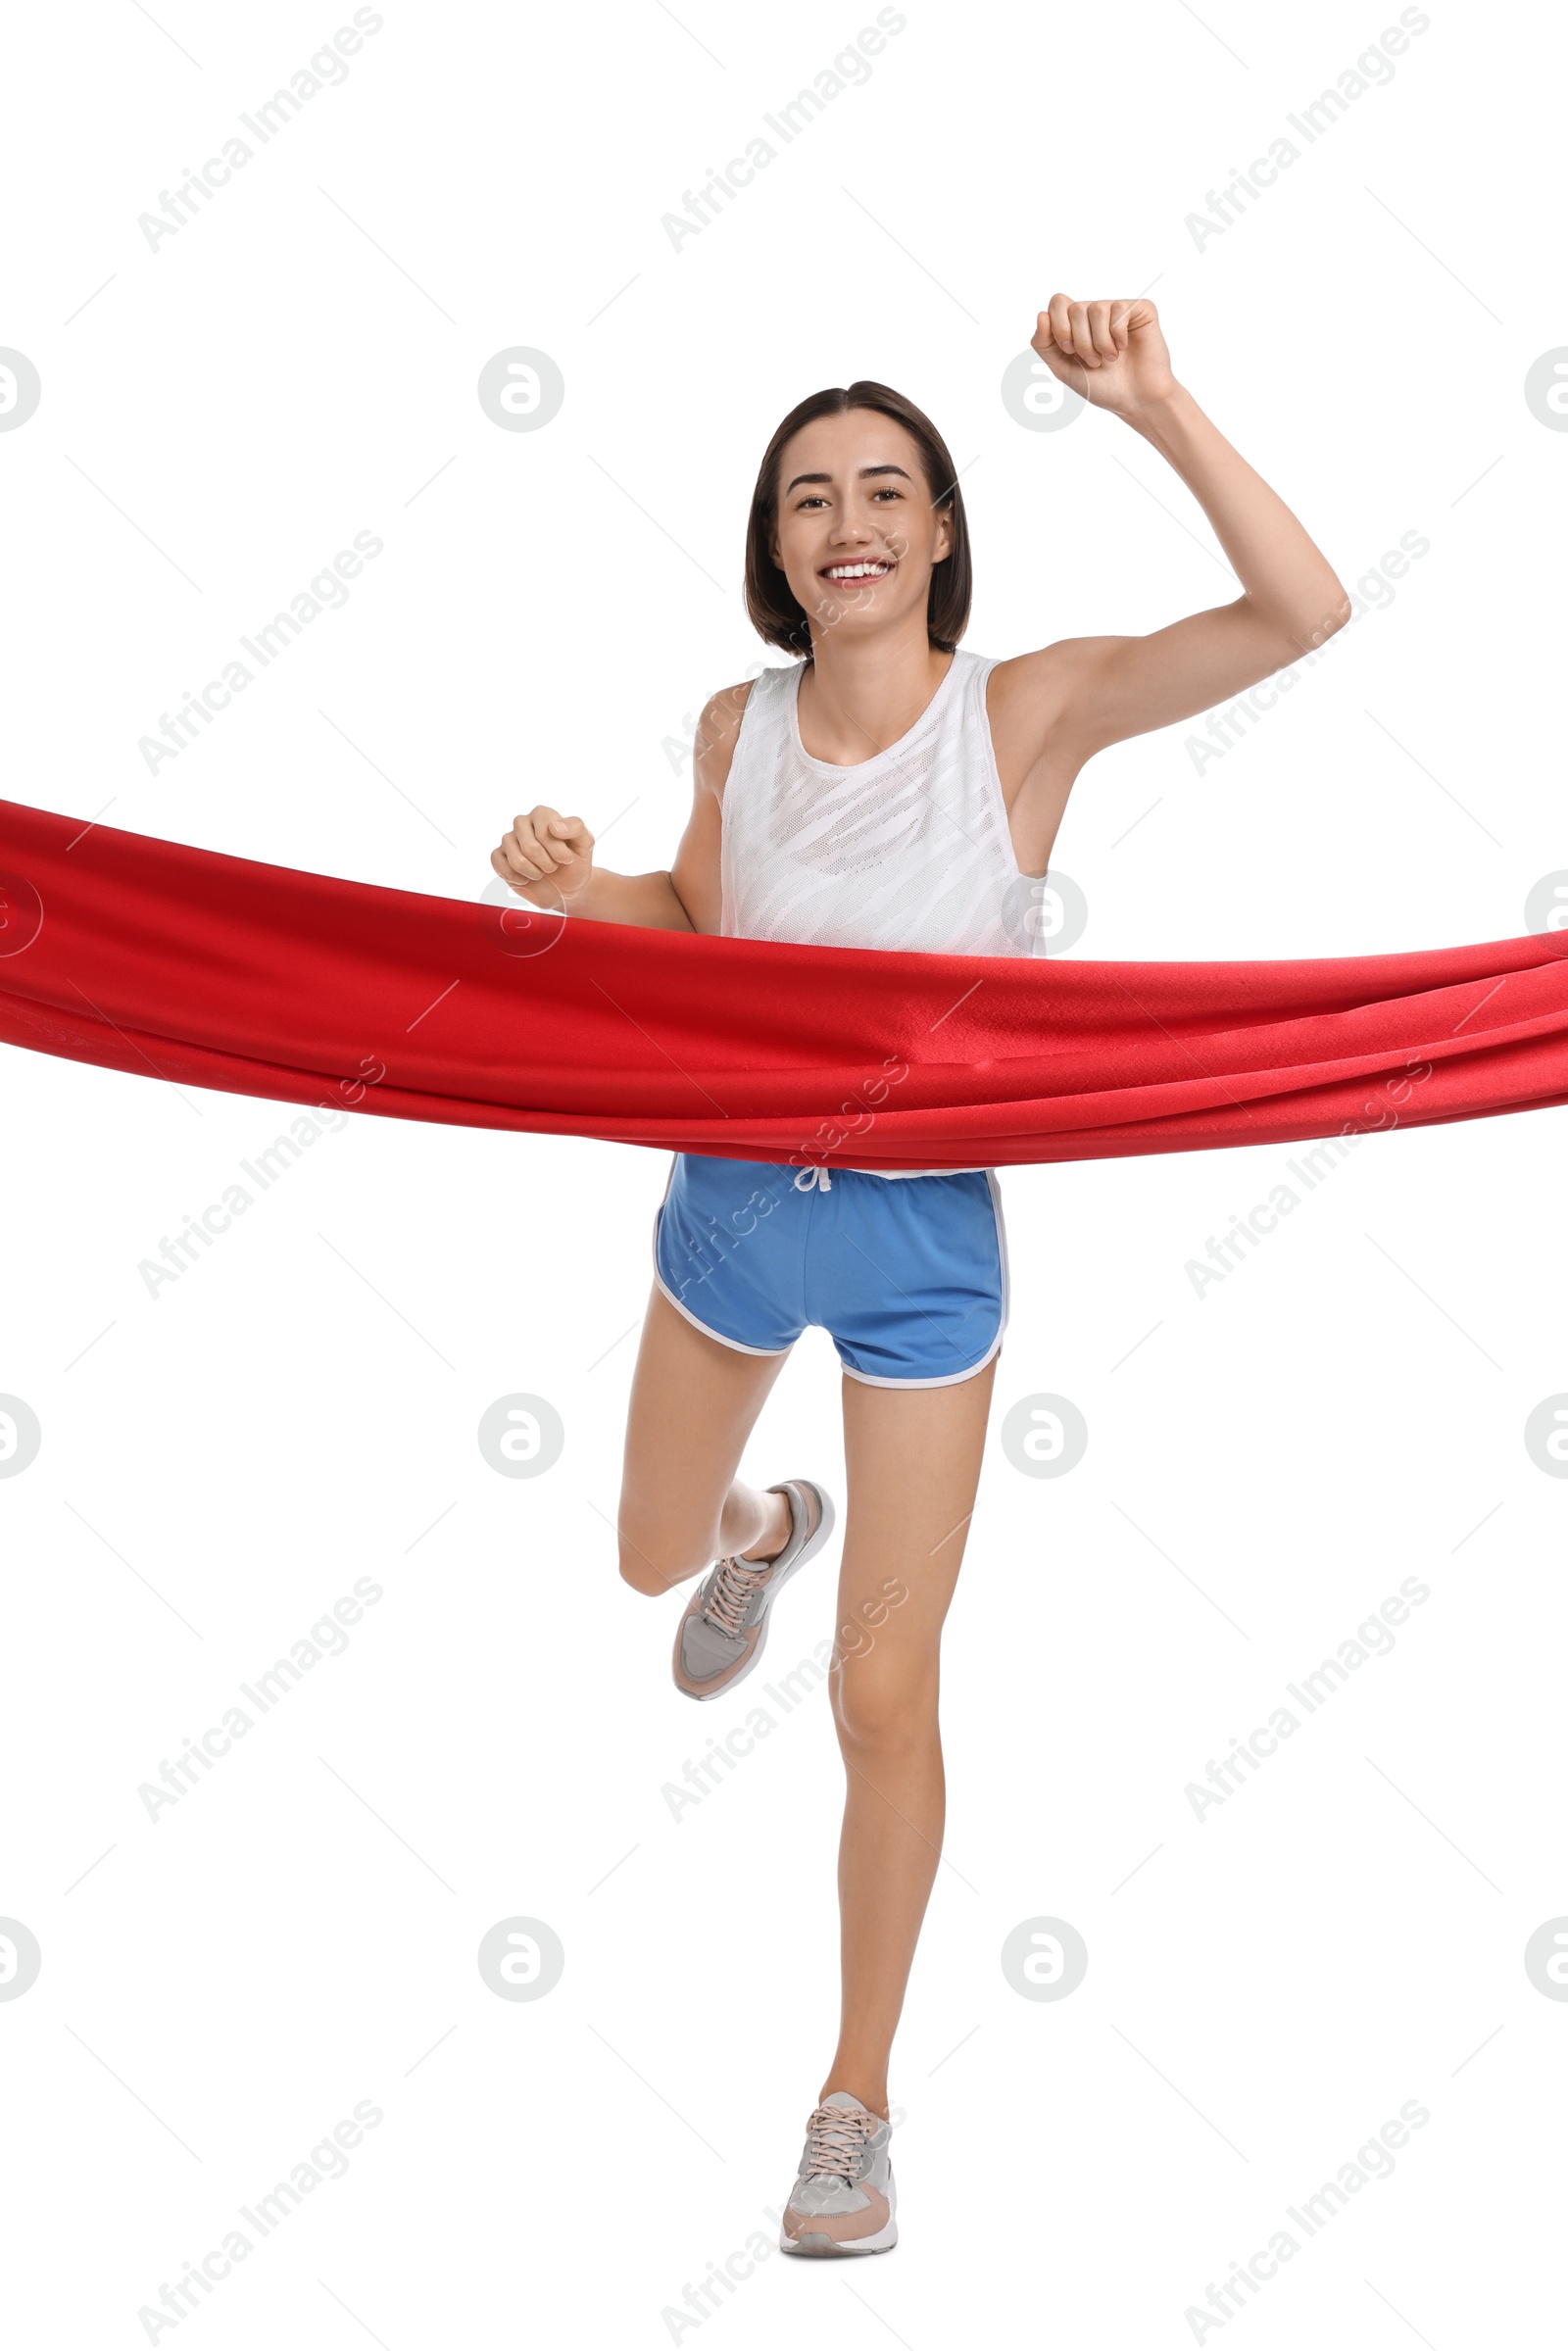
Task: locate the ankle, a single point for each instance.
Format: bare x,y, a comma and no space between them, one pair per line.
873,2096
774,1535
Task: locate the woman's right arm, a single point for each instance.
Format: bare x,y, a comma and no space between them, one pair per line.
548,859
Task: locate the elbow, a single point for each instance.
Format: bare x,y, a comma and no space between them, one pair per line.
1312,624
1334,617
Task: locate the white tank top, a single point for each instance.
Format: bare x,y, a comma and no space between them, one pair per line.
910,848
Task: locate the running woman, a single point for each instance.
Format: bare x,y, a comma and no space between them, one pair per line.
884,789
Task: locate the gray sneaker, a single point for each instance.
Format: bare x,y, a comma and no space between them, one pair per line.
721,1634
842,2200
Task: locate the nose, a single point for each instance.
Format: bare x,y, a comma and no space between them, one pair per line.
850,530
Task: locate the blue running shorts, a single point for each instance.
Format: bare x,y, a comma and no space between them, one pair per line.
909,1277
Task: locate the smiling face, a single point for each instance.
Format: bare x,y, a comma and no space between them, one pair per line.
856,533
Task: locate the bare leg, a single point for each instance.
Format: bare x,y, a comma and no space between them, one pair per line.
914,1457
693,1405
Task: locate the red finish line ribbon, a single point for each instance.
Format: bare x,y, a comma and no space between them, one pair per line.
201,969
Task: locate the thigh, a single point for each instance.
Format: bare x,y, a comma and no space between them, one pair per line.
694,1403
914,1457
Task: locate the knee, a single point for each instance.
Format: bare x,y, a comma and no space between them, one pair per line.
882,1707
639,1571
651,1564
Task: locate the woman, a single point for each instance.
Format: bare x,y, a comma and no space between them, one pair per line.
886,791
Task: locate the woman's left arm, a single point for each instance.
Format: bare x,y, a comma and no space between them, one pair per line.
1053,710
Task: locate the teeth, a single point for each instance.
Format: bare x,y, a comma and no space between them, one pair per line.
858,571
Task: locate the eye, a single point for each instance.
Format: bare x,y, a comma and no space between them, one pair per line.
812,498
887,492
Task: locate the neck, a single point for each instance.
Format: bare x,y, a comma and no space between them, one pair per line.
856,698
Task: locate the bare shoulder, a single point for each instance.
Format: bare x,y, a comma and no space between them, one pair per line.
694,874
1047,679
1052,697
717,730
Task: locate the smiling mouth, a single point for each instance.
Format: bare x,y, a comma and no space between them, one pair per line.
876,568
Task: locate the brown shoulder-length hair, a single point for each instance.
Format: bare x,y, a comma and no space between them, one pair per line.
776,615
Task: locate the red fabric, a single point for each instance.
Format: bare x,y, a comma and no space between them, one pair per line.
208,970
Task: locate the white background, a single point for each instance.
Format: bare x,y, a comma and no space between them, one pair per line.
221,1463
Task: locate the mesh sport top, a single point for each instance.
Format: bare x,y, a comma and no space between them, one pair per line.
908,850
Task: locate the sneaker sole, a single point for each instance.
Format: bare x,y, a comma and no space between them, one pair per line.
832,2248
809,1551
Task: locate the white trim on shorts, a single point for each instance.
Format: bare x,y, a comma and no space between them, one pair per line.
659,1284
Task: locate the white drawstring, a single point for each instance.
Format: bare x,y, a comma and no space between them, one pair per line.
810,1178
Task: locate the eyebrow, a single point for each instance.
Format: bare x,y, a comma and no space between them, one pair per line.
866,473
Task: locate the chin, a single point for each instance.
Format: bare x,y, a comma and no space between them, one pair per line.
874,612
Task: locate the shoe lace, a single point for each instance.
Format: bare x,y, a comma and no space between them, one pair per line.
734,1583
836,2137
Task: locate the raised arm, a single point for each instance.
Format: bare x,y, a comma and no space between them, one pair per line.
1051,711
547,858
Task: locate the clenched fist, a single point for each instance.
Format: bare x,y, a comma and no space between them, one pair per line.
1112,354
546,857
